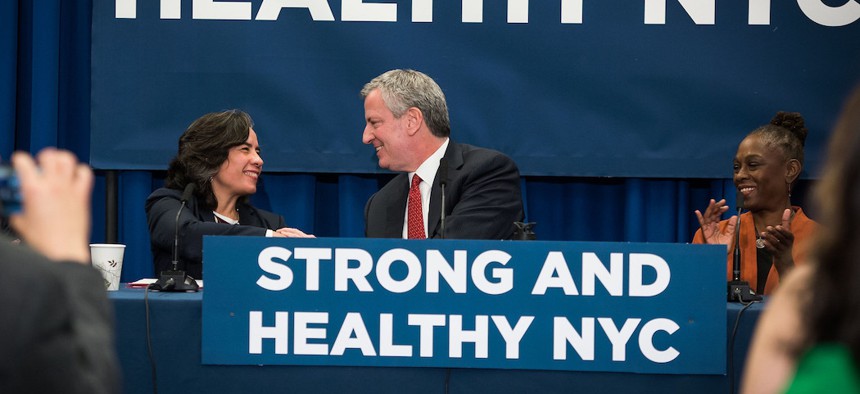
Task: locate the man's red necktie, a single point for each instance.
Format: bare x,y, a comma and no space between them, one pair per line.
415,218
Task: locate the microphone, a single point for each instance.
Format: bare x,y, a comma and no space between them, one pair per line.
443,181
186,195
739,290
736,263
176,280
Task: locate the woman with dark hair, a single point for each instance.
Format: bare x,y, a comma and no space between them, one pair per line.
218,154
808,339
774,235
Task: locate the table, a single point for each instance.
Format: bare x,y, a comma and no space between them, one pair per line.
175,320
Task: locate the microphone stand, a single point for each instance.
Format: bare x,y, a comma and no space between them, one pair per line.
175,279
443,180
739,290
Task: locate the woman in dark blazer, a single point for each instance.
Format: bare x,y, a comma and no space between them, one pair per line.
219,155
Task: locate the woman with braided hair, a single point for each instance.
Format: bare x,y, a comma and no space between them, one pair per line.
774,234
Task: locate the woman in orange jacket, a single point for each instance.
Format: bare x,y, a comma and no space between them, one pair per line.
774,235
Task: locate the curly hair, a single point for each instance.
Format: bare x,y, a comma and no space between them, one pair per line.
834,310
203,148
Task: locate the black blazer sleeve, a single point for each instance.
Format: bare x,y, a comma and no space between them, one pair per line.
483,198
194,223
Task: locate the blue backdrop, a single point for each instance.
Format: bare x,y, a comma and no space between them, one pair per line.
45,92
625,92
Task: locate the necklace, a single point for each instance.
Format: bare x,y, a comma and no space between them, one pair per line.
759,243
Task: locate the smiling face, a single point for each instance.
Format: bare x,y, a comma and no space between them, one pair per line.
238,175
387,134
761,174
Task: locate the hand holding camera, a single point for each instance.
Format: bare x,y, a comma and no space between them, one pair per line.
54,200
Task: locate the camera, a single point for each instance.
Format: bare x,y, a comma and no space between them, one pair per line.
10,191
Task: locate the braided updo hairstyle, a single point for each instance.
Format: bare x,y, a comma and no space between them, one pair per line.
787,132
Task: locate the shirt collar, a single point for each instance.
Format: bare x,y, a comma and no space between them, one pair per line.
427,170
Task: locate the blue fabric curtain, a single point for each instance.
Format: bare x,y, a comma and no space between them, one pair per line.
45,101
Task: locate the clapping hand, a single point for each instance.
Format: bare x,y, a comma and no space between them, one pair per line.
779,240
710,224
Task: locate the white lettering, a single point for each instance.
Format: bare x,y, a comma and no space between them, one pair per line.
358,11
703,12
319,9
266,261
386,339
353,324
126,9
640,260
512,336
556,274
473,11
612,279
571,11
826,15
422,10
458,336
279,332
221,10
454,276
646,340
564,334
171,9
312,257
518,11
618,338
413,268
759,12
425,324
505,276
358,275
303,333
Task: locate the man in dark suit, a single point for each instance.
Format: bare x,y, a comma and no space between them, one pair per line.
55,318
408,126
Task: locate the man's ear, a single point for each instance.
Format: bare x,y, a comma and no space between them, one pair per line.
792,170
414,120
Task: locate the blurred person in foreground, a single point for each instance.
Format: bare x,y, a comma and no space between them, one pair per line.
55,318
774,235
218,154
407,123
808,338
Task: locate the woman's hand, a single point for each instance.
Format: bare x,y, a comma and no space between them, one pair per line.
710,224
291,233
779,241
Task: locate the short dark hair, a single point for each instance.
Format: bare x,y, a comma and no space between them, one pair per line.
203,147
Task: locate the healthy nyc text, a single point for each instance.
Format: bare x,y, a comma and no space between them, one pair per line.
702,12
372,332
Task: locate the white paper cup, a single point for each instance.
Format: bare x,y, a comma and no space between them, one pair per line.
107,258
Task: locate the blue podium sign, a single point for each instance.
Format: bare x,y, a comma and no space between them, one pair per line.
631,307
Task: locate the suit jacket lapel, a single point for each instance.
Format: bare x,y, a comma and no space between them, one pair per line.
396,215
454,156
